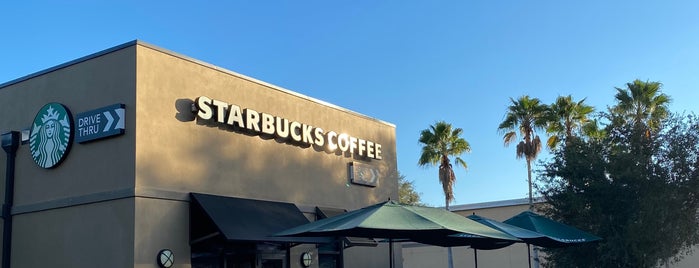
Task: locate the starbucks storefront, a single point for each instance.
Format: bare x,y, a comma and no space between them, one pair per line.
136,156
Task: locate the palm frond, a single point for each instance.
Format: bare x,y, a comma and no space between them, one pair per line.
566,119
461,162
553,142
509,137
641,103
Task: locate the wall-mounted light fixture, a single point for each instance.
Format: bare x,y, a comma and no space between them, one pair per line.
363,174
306,259
165,258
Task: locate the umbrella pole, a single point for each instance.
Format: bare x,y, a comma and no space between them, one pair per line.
390,252
475,257
529,257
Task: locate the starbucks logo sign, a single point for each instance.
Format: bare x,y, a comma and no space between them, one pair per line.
51,135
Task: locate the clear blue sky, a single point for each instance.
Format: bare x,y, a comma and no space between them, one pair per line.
410,63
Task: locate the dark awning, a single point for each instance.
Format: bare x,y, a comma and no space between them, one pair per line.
325,212
245,220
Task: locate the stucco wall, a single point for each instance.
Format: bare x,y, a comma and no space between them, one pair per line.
91,235
177,153
68,216
160,226
90,168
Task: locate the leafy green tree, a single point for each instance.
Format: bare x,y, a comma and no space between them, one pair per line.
567,118
525,116
439,142
406,192
641,195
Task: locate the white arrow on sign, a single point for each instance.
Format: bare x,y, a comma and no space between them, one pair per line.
110,120
120,123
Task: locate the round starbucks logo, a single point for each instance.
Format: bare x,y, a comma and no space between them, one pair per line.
51,135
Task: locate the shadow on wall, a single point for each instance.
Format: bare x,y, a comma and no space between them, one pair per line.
185,109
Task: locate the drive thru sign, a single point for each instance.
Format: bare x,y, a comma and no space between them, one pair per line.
99,123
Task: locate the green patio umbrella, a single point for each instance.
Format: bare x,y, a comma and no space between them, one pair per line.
557,234
527,236
482,243
394,221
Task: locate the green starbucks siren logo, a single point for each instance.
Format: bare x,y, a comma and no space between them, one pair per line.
51,135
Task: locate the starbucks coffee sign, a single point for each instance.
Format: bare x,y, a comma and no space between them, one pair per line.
51,135
223,113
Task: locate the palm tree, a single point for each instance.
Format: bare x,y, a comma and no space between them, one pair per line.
567,118
643,104
439,142
525,116
592,130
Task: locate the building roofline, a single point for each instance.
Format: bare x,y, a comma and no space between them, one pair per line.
496,204
190,59
260,82
69,63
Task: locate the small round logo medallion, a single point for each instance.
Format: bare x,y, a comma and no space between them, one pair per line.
51,135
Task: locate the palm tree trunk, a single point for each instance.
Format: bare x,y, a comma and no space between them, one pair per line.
529,176
531,208
449,254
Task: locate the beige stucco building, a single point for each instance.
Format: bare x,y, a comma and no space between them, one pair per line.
161,144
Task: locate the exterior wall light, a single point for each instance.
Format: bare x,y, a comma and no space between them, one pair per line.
306,259
165,258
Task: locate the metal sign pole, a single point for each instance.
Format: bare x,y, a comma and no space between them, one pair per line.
10,143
